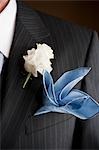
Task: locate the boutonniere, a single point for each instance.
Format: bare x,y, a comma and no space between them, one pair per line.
38,60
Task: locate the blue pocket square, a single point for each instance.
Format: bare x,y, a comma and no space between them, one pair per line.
61,97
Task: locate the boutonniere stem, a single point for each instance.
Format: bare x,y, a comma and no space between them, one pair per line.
27,79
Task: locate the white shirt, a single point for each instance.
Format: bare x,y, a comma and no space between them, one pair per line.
7,26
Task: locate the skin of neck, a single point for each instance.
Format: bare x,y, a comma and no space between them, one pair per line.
3,4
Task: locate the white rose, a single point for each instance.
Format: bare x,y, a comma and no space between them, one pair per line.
38,60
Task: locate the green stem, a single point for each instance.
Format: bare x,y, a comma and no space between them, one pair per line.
27,79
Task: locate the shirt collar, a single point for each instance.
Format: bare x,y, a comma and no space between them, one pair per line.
7,23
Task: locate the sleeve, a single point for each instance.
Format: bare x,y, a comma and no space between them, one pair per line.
86,133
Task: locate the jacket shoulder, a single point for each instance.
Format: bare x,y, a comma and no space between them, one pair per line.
60,27
55,23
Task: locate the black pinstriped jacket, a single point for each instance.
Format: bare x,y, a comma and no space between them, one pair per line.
73,46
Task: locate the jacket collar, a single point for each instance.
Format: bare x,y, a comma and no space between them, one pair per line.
29,30
32,21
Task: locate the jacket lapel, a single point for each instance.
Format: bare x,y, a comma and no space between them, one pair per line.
16,100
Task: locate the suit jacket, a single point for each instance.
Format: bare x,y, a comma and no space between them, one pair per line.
73,46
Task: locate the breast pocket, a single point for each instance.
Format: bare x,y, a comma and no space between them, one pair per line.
50,131
49,120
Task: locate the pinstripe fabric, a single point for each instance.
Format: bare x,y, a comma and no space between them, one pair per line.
89,129
73,47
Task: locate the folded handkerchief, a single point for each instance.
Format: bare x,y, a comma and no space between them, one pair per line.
61,97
